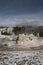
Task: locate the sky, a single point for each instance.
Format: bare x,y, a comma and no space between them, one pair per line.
14,12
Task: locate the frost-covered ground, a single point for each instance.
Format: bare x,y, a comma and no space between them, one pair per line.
21,57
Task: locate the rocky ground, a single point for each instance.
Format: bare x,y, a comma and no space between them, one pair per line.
21,57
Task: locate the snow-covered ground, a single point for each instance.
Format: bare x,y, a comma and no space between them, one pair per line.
29,40
21,57
23,41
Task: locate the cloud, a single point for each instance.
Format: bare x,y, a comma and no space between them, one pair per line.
15,20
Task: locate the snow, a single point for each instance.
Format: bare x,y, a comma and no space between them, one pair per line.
29,40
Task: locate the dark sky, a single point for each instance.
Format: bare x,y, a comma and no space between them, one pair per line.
13,12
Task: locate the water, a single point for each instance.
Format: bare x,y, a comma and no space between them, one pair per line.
21,57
